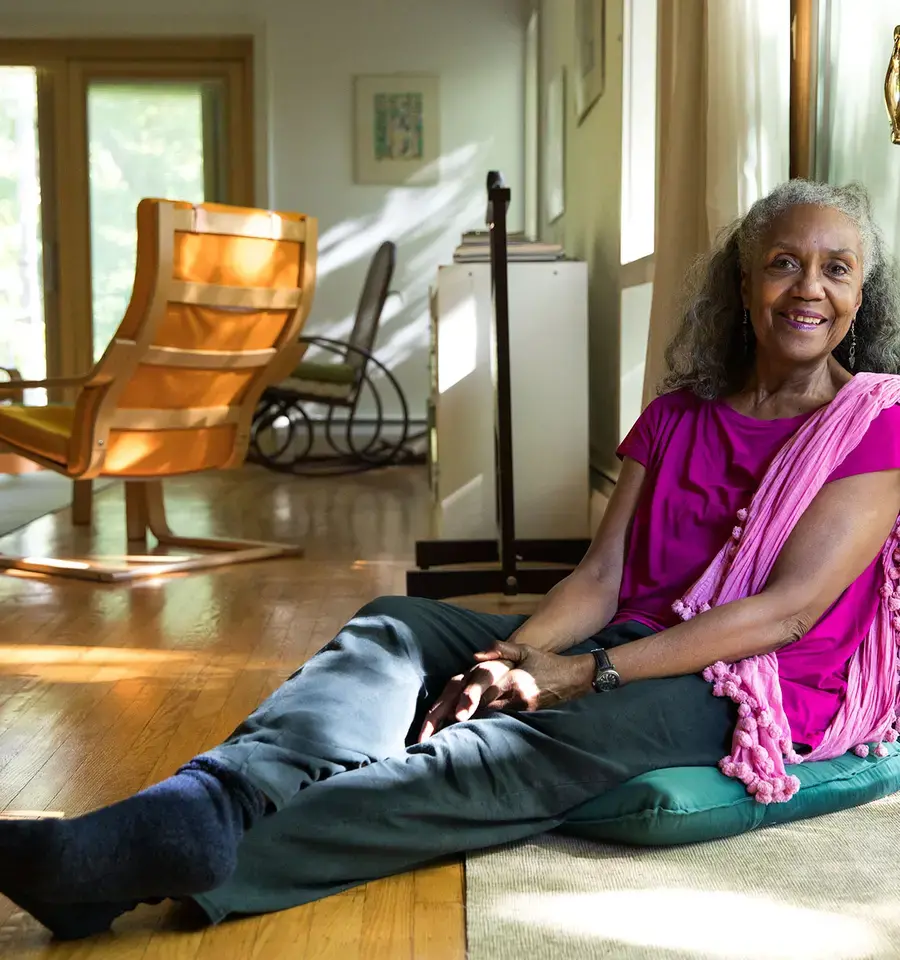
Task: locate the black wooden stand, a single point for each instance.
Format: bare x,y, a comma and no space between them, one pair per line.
504,554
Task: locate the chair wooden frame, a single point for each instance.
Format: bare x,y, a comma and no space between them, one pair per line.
145,507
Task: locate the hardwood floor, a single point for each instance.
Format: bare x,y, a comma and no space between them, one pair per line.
107,689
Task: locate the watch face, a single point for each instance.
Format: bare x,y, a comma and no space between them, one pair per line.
606,680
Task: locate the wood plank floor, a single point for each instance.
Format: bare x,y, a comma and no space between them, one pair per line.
106,689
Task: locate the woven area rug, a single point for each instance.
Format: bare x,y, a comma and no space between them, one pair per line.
821,889
26,497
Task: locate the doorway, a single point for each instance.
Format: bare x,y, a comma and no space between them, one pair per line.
87,129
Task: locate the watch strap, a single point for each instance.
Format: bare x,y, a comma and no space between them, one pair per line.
602,659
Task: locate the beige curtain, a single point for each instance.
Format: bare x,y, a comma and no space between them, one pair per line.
681,222
724,103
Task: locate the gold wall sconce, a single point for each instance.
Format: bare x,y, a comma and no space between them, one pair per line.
892,88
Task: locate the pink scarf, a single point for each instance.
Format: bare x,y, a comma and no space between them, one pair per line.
762,739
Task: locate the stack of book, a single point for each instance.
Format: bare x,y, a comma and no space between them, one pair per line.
476,248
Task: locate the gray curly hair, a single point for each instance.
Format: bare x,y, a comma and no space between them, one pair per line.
708,355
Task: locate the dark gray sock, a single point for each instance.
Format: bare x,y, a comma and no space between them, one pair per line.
177,838
68,921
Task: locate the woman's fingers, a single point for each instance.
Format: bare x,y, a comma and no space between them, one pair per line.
468,702
442,708
503,650
483,655
482,687
463,695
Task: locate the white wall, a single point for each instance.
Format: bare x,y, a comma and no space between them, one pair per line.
590,227
307,54
610,170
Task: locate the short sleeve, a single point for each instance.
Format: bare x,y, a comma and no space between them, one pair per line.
878,450
641,439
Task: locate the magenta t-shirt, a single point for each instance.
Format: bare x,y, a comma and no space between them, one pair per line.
704,461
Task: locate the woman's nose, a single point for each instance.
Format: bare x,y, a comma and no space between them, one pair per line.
809,285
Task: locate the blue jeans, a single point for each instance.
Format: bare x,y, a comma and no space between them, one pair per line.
356,798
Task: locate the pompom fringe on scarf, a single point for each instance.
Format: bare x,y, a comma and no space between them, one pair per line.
869,712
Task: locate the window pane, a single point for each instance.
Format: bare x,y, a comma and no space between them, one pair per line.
639,130
22,335
853,139
145,140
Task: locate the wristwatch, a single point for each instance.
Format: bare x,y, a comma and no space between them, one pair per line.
605,677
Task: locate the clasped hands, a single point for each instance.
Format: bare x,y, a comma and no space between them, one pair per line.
511,676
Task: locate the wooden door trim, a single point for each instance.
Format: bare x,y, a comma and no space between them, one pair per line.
803,87
27,50
75,233
48,92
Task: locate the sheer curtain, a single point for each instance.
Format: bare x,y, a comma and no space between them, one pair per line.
853,140
682,231
724,89
748,57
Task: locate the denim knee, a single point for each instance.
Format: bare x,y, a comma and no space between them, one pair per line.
395,607
395,623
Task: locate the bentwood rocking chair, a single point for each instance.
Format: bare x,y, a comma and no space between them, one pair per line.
335,384
219,300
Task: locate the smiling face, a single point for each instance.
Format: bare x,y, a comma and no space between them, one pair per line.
804,285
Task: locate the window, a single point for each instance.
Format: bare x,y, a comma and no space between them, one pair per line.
638,130
853,140
638,211
87,129
22,326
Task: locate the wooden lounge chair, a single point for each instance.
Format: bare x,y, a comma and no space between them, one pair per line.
220,297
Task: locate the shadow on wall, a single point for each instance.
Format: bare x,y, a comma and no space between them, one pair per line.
426,224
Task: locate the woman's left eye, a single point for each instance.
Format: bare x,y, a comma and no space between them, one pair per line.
839,269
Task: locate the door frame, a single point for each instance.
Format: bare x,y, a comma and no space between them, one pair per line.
804,68
65,68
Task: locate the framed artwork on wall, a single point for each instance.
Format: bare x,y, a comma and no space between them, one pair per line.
590,55
397,136
555,147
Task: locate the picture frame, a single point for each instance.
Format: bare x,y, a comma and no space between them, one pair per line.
397,136
590,55
555,147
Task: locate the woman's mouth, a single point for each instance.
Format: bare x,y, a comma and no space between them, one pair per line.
803,321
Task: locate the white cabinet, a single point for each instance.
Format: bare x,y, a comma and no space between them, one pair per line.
548,363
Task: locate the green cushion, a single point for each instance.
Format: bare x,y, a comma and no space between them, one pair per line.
324,372
692,804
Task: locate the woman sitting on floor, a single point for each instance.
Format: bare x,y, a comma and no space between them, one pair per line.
753,525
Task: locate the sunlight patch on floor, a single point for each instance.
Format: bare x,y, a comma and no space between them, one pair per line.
718,925
74,664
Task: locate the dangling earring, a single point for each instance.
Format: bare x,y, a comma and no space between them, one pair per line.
746,330
853,343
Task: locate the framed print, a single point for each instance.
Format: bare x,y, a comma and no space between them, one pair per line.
590,54
397,130
555,147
